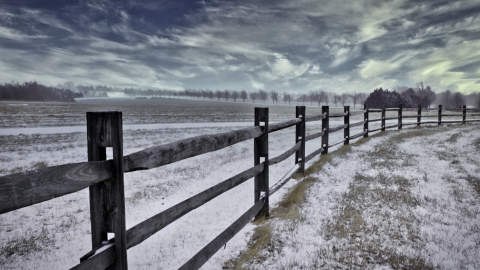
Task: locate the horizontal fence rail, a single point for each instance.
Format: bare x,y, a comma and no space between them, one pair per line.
32,187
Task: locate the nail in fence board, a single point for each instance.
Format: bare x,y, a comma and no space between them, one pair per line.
383,118
365,118
346,121
261,150
325,129
300,137
107,199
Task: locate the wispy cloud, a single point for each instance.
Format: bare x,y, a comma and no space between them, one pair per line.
288,46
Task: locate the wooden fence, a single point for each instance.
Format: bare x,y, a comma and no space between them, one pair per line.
104,178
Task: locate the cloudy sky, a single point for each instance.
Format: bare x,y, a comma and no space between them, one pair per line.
298,46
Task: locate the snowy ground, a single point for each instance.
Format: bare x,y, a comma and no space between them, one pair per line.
55,234
404,200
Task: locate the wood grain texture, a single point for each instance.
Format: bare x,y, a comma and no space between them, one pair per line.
356,113
284,124
314,136
99,261
313,154
337,128
147,228
357,124
392,126
374,120
169,153
284,179
456,114
376,129
358,135
209,250
317,117
338,114
28,188
285,155
335,143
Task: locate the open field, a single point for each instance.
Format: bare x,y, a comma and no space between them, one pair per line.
55,234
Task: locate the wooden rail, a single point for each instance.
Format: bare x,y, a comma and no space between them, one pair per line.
107,202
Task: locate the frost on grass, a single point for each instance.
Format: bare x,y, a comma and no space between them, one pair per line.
404,200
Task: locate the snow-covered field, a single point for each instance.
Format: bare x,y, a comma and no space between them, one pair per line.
404,200
55,234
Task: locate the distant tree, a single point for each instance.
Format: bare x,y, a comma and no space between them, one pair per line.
477,101
380,97
303,98
410,98
311,97
150,92
235,96
457,100
344,98
226,94
210,94
425,94
218,94
254,96
336,99
243,95
33,91
361,98
263,96
289,97
274,97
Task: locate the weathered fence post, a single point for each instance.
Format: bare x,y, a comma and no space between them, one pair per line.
400,112
439,114
365,118
300,136
464,114
107,199
261,150
383,117
325,128
346,121
419,115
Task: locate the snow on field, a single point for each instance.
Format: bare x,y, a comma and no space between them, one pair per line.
56,233
406,200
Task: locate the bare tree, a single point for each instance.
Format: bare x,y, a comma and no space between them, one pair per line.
345,98
210,94
235,96
284,96
262,95
218,94
425,94
303,98
226,94
288,97
254,96
311,96
274,97
361,98
243,95
336,99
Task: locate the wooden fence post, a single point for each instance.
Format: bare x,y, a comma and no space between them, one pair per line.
439,114
300,136
107,199
325,128
383,117
261,150
365,118
400,112
419,115
464,114
346,121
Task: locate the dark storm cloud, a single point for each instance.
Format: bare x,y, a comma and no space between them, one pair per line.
306,45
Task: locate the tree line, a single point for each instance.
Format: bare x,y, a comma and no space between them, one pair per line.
33,91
